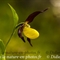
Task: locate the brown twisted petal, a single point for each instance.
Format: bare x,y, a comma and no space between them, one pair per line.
20,30
33,15
29,41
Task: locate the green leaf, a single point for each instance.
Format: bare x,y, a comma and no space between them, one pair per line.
15,16
2,47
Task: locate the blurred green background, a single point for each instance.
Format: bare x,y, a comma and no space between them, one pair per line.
47,23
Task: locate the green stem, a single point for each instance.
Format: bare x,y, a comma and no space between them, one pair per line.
13,33
2,57
10,38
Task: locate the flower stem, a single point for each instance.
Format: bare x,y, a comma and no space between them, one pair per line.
2,57
10,38
13,33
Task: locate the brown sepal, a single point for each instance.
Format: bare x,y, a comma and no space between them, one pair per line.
33,15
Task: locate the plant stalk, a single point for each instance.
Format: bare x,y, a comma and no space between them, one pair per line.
10,38
2,57
13,33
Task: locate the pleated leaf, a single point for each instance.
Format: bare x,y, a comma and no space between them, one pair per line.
15,16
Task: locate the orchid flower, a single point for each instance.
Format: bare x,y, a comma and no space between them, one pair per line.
25,28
